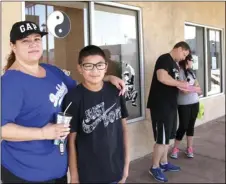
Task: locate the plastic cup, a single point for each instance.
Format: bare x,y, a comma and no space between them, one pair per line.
62,118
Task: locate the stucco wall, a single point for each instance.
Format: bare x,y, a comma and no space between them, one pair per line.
163,26
11,13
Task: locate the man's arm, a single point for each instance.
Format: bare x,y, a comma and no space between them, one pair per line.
165,78
73,168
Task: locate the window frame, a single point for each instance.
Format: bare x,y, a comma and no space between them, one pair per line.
221,69
89,32
204,57
140,45
222,46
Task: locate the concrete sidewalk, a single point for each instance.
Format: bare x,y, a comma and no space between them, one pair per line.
208,165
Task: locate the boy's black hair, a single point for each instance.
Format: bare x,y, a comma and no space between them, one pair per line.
90,50
183,45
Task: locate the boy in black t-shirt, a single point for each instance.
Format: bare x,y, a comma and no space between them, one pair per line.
98,143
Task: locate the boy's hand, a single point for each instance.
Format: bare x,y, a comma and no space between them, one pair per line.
122,181
125,175
74,180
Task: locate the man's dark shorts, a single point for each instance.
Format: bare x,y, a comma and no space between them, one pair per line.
164,125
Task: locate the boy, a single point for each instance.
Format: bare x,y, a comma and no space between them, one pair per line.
98,143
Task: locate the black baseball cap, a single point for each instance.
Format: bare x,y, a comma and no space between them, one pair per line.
22,29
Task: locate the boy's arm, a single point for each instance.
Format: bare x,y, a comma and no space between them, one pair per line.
124,113
72,152
73,159
126,147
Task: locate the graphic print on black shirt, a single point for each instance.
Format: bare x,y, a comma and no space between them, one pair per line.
163,97
98,114
99,142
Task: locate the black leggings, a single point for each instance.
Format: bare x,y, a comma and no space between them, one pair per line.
187,117
8,177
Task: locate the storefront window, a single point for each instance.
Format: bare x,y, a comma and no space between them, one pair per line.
214,61
62,52
115,31
38,14
194,36
112,28
209,70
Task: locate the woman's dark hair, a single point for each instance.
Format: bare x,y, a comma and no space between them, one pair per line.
10,60
183,64
90,50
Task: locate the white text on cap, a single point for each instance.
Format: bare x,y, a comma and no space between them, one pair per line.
28,27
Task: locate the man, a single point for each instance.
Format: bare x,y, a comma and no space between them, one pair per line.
162,102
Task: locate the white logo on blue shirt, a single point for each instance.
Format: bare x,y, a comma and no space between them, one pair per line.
57,98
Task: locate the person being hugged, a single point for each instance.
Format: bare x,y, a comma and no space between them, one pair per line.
98,142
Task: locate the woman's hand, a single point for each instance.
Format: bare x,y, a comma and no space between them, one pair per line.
55,131
185,92
119,83
198,90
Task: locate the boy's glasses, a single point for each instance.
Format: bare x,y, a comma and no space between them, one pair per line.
90,66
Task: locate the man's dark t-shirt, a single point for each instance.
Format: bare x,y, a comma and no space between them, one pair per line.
99,142
163,98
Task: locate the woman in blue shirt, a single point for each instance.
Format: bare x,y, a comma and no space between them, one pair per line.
32,95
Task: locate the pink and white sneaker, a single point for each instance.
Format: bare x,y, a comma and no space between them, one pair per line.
189,152
174,153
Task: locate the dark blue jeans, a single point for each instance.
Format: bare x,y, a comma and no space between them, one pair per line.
8,177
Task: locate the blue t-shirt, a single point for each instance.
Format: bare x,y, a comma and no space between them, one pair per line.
33,102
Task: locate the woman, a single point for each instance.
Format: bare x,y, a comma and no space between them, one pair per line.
188,107
32,95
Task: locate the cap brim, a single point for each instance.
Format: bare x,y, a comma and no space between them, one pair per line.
43,33
29,33
36,32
